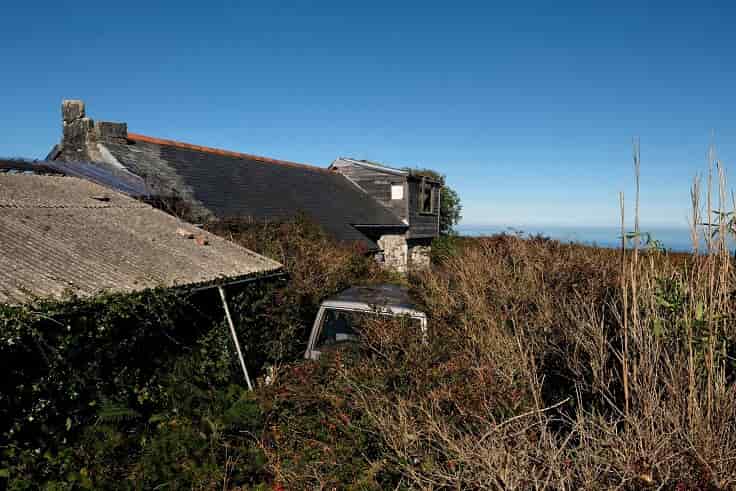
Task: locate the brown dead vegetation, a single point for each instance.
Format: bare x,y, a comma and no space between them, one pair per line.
521,385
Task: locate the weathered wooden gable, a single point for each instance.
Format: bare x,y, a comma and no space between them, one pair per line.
377,183
420,197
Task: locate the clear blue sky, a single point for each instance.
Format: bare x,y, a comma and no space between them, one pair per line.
528,109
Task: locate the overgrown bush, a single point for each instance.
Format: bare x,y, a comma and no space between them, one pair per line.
545,366
317,267
522,384
137,390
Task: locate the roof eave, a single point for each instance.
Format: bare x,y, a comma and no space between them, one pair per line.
188,287
382,168
388,170
237,280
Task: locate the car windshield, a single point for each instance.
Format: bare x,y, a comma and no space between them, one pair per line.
339,326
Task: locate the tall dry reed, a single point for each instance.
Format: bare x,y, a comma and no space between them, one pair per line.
632,380
547,366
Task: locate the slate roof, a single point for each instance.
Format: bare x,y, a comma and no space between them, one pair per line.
229,184
100,172
65,234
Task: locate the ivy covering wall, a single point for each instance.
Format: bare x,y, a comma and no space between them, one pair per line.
68,365
141,390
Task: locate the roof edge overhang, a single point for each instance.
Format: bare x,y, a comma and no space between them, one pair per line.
380,225
369,165
409,174
187,287
236,280
386,229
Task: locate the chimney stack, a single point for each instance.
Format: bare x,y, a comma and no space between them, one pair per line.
111,132
82,135
78,135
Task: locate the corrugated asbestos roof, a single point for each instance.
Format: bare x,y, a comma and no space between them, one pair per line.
64,234
228,184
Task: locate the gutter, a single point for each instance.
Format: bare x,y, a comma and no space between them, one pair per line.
248,279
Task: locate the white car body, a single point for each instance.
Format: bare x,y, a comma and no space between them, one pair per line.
388,300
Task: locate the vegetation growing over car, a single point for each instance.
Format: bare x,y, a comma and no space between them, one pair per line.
521,383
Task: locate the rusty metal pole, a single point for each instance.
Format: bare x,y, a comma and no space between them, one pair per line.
235,336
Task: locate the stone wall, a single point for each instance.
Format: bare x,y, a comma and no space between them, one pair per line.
395,252
419,256
401,254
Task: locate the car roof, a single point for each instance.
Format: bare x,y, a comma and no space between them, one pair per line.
395,297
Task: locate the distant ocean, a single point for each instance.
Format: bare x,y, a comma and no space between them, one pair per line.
674,239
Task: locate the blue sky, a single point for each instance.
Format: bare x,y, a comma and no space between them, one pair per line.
528,109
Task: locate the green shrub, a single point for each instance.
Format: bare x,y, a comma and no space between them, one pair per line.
122,391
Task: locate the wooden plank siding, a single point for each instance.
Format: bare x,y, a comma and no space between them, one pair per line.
422,225
378,185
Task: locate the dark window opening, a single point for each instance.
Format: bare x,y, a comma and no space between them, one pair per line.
427,198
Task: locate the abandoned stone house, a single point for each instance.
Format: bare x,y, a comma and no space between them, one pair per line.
389,212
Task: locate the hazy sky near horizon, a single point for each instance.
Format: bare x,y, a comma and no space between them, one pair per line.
529,109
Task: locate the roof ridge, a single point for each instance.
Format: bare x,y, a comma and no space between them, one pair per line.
407,171
226,153
373,162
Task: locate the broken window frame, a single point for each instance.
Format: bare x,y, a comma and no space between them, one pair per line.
424,188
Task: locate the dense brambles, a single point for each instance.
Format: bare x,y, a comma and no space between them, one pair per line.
84,378
137,390
520,382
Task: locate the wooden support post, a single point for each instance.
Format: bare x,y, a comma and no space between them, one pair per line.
235,336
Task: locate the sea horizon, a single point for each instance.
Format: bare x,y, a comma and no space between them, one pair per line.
671,238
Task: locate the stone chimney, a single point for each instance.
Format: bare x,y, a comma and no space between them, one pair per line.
78,134
82,135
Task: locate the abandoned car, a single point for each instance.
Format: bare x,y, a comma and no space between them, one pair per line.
339,318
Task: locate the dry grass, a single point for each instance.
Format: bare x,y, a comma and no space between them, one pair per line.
549,366
628,358
551,321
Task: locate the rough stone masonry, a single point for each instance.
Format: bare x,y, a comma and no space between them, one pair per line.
395,252
81,134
